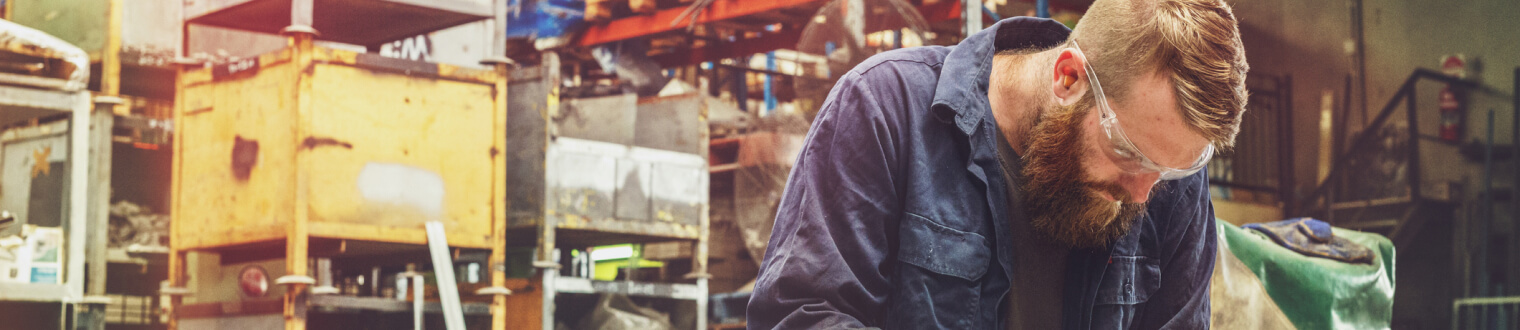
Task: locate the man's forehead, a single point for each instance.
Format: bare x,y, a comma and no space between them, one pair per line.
1152,119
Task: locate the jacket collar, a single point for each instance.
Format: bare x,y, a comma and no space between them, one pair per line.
964,101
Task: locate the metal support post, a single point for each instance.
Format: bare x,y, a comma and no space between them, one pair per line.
300,18
297,239
497,264
443,272
972,16
545,260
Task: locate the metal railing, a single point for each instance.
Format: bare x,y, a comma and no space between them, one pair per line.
1252,171
1486,313
1322,196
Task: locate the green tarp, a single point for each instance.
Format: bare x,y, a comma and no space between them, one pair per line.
1319,293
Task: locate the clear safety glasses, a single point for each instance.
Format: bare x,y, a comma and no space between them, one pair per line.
1121,150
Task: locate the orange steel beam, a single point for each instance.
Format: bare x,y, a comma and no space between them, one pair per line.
661,21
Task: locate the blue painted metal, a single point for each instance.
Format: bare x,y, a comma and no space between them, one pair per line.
828,48
770,95
1042,8
741,86
544,18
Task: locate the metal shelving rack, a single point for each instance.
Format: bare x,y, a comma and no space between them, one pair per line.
30,98
592,172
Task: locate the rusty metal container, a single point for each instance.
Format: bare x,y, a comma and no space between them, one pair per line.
312,153
362,147
604,170
590,171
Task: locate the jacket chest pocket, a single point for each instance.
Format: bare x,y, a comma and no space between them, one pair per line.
943,250
938,280
1127,283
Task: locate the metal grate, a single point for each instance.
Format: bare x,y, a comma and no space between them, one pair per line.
1255,170
125,309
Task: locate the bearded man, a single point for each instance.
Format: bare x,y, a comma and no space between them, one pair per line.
1031,177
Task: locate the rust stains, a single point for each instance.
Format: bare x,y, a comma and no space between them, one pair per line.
313,142
245,153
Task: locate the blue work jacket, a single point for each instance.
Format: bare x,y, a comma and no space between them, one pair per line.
896,213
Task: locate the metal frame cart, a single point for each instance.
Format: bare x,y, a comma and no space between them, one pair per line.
57,90
587,172
130,46
311,163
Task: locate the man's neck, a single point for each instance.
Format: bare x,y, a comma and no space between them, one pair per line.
1017,90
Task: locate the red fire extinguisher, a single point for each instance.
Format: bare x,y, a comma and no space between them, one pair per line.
1453,105
1452,114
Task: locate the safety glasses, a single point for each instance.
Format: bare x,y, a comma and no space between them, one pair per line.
1121,150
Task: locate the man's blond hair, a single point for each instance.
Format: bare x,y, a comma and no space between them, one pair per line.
1194,42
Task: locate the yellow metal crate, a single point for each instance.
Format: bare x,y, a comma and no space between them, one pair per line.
354,145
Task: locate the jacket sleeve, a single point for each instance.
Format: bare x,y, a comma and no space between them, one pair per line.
827,263
1182,302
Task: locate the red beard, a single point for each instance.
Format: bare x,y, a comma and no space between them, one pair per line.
1062,203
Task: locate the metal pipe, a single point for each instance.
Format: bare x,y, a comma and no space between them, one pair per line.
374,282
417,303
1288,183
301,13
1487,203
1414,144
443,273
1358,31
972,15
1042,8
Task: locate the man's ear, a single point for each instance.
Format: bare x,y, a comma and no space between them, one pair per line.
1070,77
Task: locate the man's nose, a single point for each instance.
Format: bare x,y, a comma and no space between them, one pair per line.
1139,185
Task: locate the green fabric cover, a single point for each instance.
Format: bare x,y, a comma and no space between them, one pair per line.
1319,293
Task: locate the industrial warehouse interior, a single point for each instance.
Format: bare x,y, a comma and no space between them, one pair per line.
698,164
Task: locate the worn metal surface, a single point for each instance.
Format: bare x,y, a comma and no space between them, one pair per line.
29,157
572,187
358,22
593,180
635,185
674,123
581,177
37,292
497,260
667,20
649,230
606,119
58,58
528,106
373,152
335,303
51,149
404,151
604,164
150,31
211,206
298,228
660,290
97,213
